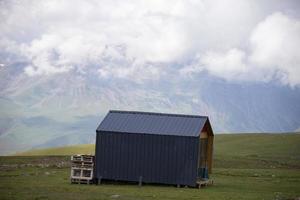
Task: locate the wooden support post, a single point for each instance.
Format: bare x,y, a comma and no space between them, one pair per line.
140,181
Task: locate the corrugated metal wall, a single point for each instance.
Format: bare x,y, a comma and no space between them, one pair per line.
157,158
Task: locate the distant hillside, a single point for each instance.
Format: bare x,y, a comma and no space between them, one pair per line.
67,150
246,150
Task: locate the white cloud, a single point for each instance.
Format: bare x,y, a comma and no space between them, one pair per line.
114,63
275,45
152,31
137,73
44,56
273,53
126,39
229,65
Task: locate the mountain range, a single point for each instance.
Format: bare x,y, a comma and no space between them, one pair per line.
66,108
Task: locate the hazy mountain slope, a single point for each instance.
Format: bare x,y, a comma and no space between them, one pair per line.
64,109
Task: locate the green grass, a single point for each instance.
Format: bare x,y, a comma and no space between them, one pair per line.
257,150
258,166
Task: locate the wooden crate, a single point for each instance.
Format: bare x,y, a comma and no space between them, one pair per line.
82,169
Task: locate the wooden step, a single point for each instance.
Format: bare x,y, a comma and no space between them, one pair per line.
203,183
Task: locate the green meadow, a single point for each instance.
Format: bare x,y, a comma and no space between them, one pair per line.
246,166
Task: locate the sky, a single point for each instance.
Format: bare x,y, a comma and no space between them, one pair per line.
235,40
65,63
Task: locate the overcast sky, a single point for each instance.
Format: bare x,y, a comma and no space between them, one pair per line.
238,40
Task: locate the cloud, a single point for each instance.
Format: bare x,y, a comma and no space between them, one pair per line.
275,46
114,63
45,56
273,53
126,39
228,65
152,31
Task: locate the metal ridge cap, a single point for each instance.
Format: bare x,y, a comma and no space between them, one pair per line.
156,113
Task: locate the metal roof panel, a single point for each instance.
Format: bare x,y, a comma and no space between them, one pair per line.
152,123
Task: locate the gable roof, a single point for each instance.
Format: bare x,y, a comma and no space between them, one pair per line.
152,123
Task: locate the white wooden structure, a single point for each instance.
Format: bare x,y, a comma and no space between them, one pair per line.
82,169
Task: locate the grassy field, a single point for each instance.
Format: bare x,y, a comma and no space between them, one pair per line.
246,166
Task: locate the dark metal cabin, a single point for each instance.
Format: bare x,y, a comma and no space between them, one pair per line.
154,148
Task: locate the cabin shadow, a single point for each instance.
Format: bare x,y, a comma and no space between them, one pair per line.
137,184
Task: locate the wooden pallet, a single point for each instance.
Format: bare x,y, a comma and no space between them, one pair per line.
81,172
81,181
82,158
82,168
82,165
203,183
